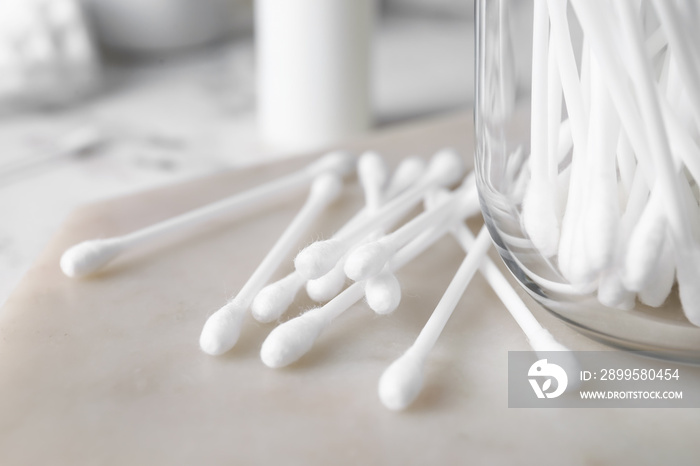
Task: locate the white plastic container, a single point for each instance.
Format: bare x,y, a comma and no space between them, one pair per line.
313,59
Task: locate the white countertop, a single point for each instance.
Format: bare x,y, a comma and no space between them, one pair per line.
190,115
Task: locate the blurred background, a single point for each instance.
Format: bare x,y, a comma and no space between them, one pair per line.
100,98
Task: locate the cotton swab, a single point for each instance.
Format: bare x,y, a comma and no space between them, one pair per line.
601,213
274,299
292,339
373,175
568,71
369,259
383,292
90,256
656,292
539,208
539,338
554,123
402,381
222,329
568,252
611,290
644,249
445,168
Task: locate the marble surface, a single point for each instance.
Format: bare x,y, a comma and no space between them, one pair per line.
107,370
185,116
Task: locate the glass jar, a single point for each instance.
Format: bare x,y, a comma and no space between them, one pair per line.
586,214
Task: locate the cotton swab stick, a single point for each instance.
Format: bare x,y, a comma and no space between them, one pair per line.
568,71
586,75
539,210
445,168
601,214
656,292
644,248
688,64
611,289
369,259
402,381
290,340
554,123
626,162
373,175
578,118
324,288
222,329
274,299
90,256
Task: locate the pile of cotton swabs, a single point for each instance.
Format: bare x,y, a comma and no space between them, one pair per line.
369,249
612,193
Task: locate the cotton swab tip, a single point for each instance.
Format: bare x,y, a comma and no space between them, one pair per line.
434,198
446,167
291,340
373,174
318,258
366,261
273,300
540,220
408,171
401,382
88,257
325,288
688,276
339,162
222,329
327,186
383,293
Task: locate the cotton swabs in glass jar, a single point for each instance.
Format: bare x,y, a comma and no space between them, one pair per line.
619,214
